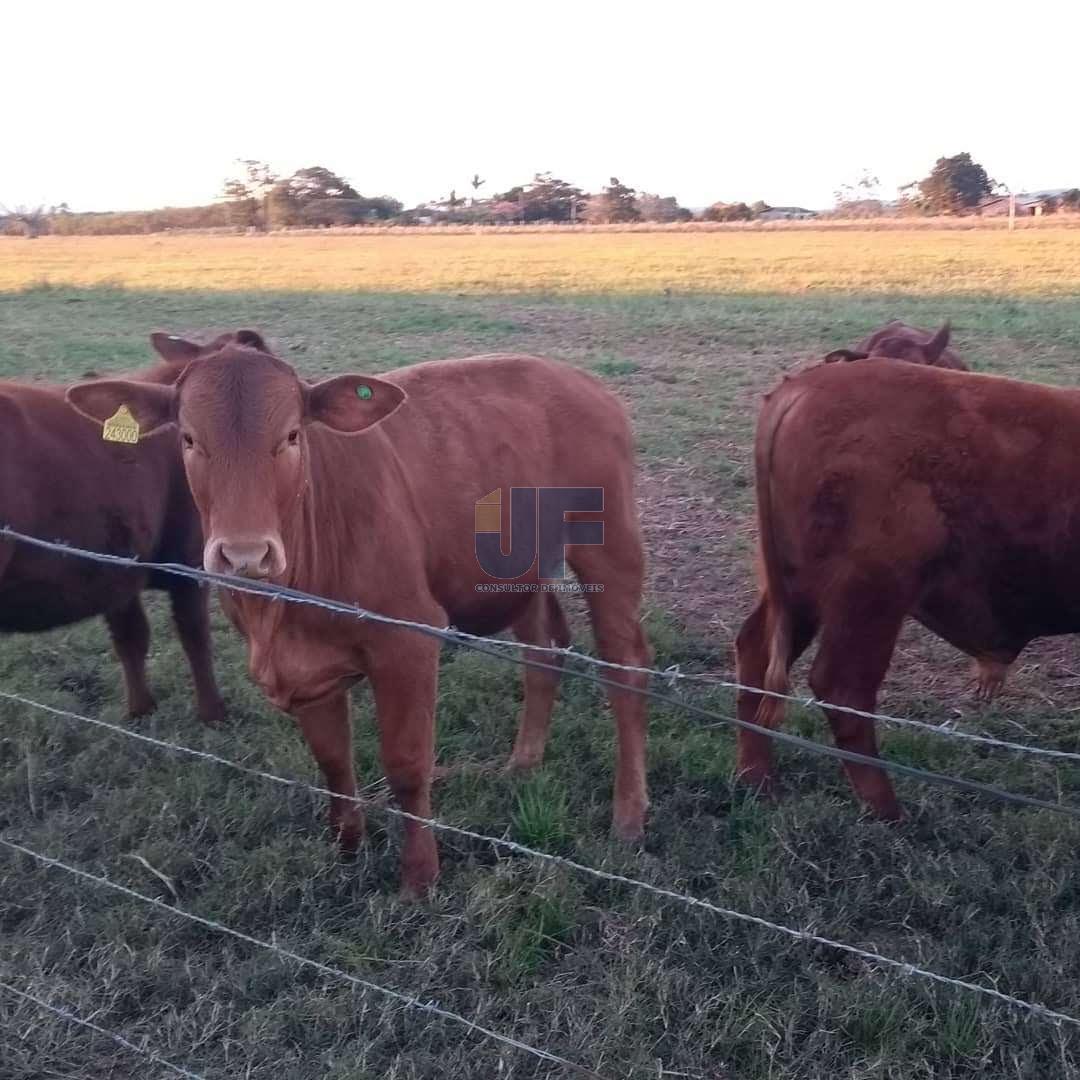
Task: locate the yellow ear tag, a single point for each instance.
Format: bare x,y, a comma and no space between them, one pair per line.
121,427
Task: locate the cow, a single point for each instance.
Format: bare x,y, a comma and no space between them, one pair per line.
61,480
370,490
888,490
899,341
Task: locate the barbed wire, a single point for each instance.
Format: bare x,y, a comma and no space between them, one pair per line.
453,635
717,719
583,868
412,1002
72,1018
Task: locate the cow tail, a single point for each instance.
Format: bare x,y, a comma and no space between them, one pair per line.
778,605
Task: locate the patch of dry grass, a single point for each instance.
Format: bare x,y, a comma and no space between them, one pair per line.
1029,262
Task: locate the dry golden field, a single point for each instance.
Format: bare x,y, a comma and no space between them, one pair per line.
1034,261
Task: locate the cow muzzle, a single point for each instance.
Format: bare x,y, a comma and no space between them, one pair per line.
253,558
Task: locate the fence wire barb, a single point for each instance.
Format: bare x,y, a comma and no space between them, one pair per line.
306,961
72,1018
717,720
451,634
572,864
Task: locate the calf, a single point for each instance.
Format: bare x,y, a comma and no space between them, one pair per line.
898,341
61,480
372,490
889,490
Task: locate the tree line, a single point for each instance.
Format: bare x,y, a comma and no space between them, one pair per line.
255,198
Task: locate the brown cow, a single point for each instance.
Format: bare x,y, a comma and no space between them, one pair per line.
365,489
62,481
887,490
899,341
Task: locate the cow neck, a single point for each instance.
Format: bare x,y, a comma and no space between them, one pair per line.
353,487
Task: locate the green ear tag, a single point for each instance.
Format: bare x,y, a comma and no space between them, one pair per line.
364,393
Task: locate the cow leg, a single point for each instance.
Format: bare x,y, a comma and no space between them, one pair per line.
990,677
753,760
191,613
856,648
544,623
615,615
328,733
131,639
404,678
754,750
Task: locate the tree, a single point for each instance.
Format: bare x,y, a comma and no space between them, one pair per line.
317,182
247,193
546,198
954,185
760,207
661,209
325,212
282,210
860,199
722,211
615,205
26,221
1070,200
476,183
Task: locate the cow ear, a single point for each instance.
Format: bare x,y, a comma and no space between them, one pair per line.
152,407
174,349
845,354
351,403
252,339
938,343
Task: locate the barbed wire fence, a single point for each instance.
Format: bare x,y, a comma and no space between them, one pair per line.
505,650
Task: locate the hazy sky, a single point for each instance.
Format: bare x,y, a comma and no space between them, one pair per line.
113,104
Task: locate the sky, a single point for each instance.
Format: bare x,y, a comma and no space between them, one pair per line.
119,105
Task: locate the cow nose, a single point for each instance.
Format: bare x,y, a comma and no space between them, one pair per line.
261,558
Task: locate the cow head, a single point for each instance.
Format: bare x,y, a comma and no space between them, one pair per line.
177,353
177,350
908,347
899,342
242,418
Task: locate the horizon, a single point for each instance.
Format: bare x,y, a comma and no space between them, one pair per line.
728,102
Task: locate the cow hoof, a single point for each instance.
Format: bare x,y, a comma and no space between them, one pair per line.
417,893
760,783
628,826
141,706
348,842
519,763
213,715
418,881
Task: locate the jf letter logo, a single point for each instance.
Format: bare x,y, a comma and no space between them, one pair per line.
539,530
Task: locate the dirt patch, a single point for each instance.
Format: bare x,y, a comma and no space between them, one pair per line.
699,551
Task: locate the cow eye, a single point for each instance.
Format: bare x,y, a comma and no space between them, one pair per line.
294,437
189,442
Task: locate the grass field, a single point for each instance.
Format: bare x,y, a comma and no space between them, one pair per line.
689,330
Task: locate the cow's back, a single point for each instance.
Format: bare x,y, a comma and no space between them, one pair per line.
538,420
408,489
967,486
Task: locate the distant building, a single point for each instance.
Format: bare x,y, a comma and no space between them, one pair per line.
786,213
998,206
1028,203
